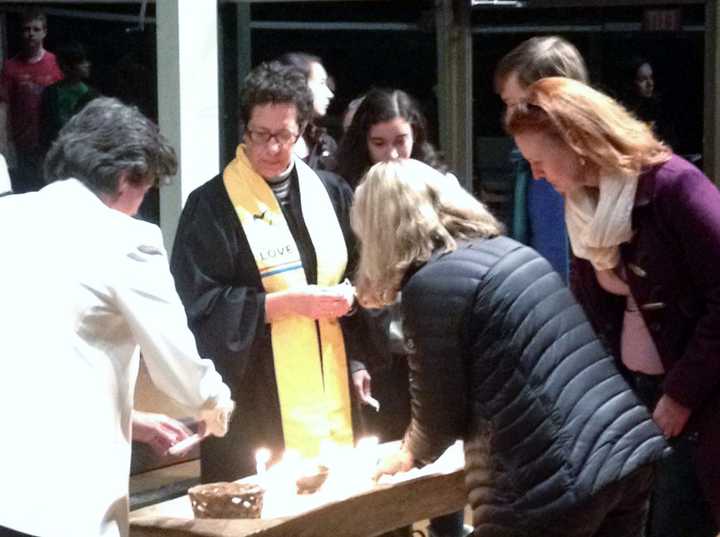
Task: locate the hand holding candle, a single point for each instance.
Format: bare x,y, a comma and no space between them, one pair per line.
185,445
362,384
162,433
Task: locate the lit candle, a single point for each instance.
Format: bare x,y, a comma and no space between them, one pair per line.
367,444
367,455
262,456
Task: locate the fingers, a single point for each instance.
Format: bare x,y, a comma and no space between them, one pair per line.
160,443
377,474
175,429
202,429
390,465
670,416
217,419
362,383
327,307
318,302
367,386
384,467
160,432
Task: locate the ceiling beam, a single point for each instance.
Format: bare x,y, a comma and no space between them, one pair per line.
604,3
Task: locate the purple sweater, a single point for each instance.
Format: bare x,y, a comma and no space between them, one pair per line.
673,268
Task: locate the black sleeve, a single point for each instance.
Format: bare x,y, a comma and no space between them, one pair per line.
438,379
218,282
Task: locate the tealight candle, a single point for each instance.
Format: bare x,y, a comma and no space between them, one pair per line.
262,456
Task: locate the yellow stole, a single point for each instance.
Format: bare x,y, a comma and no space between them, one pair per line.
309,356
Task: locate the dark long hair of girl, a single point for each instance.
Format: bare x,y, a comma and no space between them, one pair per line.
379,106
322,146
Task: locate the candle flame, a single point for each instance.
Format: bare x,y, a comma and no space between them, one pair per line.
367,442
262,456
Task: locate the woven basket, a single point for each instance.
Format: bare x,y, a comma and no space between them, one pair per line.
226,500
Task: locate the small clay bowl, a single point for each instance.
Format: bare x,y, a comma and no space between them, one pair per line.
310,482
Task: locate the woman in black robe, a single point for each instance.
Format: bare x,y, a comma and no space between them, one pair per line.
216,266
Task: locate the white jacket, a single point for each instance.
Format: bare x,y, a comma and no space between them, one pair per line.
81,285
5,185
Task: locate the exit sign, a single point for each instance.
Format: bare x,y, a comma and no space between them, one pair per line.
662,20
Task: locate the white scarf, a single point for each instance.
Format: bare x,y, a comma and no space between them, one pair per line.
599,220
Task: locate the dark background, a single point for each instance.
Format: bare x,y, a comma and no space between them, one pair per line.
124,59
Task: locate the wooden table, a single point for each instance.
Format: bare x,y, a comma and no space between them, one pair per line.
435,490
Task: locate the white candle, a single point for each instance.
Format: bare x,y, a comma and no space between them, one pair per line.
262,456
367,444
367,456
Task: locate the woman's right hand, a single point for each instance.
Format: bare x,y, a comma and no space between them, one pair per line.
313,301
361,381
400,461
670,416
216,418
319,302
158,431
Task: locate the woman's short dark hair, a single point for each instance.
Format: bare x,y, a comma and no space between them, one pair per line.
106,140
275,83
379,106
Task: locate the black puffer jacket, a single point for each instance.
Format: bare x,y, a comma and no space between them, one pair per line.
506,360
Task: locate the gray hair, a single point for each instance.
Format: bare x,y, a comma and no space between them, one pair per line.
106,140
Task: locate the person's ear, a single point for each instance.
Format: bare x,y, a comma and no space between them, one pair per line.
123,183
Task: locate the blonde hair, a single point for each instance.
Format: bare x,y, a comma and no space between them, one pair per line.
403,211
596,127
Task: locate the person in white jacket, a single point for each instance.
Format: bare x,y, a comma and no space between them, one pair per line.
5,186
83,286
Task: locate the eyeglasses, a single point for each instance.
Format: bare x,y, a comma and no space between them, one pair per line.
264,137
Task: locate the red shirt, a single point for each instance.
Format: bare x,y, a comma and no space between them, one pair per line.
21,86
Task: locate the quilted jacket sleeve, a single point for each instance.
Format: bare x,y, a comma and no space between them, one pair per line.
434,310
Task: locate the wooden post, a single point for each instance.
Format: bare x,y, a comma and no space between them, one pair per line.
244,62
455,106
711,144
187,72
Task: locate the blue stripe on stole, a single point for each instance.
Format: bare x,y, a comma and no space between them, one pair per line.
281,270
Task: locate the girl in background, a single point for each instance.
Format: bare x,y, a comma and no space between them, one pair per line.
389,125
316,147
